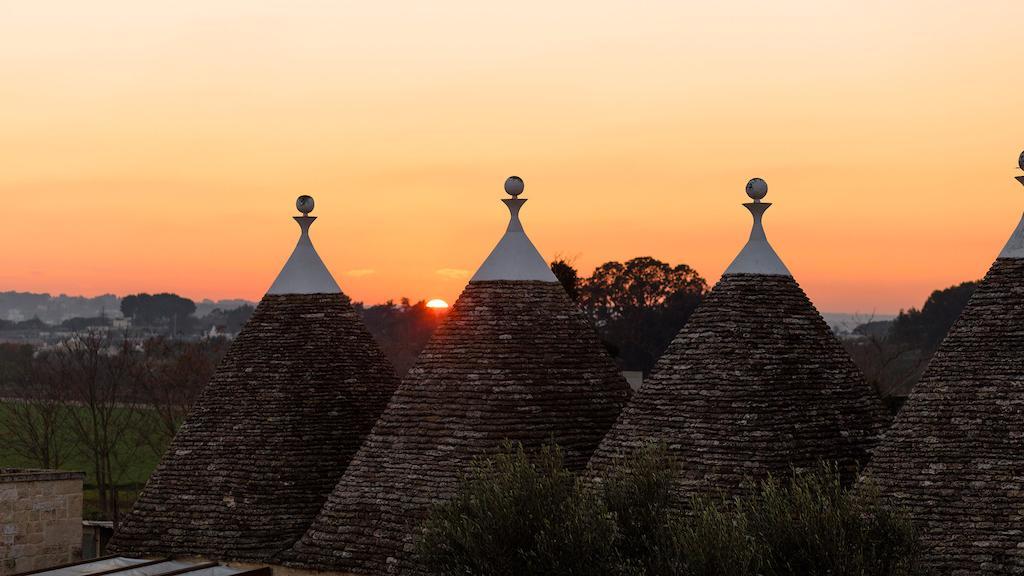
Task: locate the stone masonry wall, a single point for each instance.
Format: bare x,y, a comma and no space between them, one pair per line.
40,519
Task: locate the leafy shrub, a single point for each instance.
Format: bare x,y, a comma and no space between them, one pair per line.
638,493
520,515
515,515
809,525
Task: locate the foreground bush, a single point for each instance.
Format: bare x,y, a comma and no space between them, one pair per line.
518,514
808,525
811,525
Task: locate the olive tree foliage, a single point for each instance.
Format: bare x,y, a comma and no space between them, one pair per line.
520,513
517,514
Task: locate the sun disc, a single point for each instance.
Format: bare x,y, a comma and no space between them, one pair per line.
437,303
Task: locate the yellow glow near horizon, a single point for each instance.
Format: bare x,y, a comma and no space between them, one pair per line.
160,147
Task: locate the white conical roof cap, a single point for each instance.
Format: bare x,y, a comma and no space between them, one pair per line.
757,256
515,257
304,272
1015,245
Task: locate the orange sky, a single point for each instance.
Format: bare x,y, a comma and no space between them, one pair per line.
160,145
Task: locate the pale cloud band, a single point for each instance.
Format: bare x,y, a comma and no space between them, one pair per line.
452,273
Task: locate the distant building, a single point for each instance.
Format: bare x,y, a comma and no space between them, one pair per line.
40,519
754,384
271,434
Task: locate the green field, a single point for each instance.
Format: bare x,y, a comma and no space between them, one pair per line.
137,460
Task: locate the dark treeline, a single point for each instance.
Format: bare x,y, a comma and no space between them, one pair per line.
401,330
893,354
178,315
30,310
637,306
53,309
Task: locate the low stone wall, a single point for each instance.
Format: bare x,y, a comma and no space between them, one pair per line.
40,519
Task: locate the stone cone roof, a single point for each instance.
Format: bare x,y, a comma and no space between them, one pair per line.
955,454
514,359
296,394
754,383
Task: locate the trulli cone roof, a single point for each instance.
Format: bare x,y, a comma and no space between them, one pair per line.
755,383
257,456
954,455
515,359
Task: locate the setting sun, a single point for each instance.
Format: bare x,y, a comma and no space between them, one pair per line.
437,303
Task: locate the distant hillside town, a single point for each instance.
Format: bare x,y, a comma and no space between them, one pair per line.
20,306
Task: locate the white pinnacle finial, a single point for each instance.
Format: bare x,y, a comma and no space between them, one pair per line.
757,256
304,272
515,257
1014,247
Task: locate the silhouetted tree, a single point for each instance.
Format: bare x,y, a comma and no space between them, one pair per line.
640,305
149,309
568,277
926,328
101,378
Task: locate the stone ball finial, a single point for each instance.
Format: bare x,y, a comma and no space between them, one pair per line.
757,188
514,186
304,204
1020,161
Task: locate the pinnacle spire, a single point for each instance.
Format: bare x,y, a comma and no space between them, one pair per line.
757,256
304,272
1014,247
515,257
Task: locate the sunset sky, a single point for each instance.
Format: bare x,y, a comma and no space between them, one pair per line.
159,146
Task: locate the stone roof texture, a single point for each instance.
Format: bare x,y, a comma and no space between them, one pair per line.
754,383
954,455
514,359
296,394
